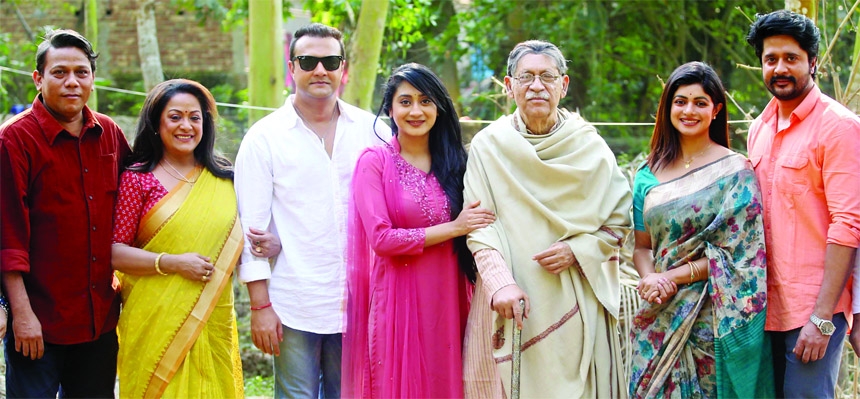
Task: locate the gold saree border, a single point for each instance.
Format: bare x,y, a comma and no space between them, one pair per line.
161,212
228,256
185,338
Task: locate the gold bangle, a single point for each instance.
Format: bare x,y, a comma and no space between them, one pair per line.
692,271
157,260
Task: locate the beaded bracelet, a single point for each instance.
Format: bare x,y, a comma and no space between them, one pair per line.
261,307
157,260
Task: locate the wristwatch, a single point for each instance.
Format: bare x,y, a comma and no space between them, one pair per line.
825,326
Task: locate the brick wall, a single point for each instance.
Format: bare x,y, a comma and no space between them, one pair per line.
185,45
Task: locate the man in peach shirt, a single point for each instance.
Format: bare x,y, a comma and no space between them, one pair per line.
804,149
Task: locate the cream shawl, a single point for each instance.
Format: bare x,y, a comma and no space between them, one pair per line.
562,186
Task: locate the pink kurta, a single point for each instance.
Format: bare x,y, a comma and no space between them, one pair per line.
407,304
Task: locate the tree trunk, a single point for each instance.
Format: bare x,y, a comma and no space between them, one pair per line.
805,7
92,33
147,45
852,92
448,72
364,53
266,56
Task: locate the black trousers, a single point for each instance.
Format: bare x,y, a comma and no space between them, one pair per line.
86,370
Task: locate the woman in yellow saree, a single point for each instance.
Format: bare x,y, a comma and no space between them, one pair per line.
177,239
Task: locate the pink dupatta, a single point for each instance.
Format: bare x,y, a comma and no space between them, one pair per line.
382,349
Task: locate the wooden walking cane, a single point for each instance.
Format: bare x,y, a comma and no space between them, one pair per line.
515,356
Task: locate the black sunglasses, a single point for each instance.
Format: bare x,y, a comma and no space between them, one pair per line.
309,63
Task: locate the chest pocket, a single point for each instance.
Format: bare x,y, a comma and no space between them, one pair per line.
791,175
108,169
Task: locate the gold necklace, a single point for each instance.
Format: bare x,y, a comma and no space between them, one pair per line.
692,158
324,136
178,175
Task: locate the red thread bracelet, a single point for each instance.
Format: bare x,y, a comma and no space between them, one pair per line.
261,307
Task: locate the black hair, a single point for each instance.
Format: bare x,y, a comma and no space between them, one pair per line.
784,22
666,140
316,30
149,149
62,38
447,154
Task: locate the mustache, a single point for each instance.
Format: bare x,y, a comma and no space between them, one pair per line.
788,78
539,94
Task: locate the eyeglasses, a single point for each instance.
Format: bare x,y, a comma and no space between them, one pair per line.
546,78
309,63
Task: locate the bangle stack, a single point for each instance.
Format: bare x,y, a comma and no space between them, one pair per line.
261,307
692,271
157,261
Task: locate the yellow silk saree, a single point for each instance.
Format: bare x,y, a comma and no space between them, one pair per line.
178,337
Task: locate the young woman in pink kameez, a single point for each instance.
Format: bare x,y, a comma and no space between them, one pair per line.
409,267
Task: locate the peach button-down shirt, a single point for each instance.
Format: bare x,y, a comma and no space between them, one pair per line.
809,172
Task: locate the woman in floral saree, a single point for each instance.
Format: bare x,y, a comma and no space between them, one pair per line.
700,254
177,239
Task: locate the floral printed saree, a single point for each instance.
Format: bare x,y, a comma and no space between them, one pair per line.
708,340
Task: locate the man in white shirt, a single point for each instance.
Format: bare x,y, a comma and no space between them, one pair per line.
293,174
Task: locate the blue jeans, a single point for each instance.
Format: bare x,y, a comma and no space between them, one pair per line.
86,370
309,365
793,378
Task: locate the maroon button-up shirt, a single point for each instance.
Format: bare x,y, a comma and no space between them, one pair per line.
57,193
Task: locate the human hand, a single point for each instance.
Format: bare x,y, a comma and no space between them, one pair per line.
263,243
192,266
854,338
506,302
28,335
472,218
267,331
656,288
811,343
556,258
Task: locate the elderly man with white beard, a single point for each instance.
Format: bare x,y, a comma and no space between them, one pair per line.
562,210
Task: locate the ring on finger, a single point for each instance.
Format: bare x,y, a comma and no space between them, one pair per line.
258,248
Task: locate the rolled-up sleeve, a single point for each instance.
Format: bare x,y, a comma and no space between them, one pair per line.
14,214
840,166
254,187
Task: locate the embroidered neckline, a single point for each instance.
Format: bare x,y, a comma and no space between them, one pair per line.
419,184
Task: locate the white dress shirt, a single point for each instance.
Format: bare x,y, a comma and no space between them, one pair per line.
285,182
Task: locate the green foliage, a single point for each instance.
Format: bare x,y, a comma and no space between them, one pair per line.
16,88
230,13
259,386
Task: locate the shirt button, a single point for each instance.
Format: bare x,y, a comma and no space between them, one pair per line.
773,159
94,228
94,258
94,286
90,197
86,170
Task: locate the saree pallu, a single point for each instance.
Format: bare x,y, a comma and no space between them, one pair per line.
708,340
178,337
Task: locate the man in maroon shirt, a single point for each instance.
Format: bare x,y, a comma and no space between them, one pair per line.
59,163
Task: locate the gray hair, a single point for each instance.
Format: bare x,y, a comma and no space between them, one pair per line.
536,47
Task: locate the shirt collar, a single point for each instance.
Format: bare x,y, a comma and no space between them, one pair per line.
51,128
801,111
345,111
808,104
